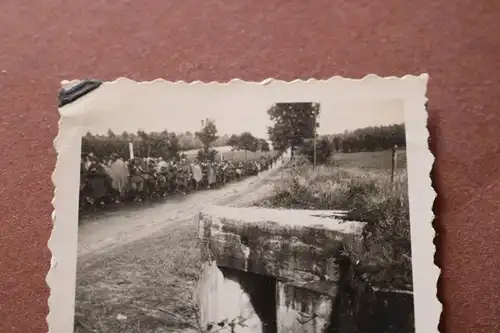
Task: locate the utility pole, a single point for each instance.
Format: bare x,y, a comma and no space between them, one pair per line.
314,140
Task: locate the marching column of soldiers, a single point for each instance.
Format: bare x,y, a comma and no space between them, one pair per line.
112,180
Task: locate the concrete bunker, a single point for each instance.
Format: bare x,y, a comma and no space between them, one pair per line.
272,270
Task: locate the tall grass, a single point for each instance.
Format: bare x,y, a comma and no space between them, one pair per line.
368,196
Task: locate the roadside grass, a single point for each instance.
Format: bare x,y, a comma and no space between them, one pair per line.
146,286
366,192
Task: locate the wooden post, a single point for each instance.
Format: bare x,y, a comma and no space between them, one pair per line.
131,150
394,162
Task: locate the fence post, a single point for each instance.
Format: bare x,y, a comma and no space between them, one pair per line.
394,162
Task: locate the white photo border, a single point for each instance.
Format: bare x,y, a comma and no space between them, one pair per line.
98,109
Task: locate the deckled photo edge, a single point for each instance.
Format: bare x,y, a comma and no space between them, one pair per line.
63,240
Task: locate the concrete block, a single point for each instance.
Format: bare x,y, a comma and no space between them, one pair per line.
271,270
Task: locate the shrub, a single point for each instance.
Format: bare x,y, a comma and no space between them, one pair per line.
324,150
210,156
368,196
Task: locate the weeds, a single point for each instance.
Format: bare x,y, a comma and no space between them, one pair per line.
145,286
369,196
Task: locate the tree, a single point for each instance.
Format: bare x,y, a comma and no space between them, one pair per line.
324,150
248,142
337,143
221,141
208,134
293,122
264,145
371,138
173,146
234,141
207,156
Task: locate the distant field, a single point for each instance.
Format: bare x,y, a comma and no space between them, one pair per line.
221,149
378,160
229,155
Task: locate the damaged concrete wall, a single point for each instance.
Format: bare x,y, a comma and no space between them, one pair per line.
283,271
296,249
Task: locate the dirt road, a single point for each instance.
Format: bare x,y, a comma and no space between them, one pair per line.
137,268
101,233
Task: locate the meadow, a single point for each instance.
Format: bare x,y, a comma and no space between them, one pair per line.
378,160
229,155
359,183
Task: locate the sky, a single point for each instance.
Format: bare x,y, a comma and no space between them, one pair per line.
155,107
333,118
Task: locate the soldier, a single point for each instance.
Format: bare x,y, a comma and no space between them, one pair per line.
172,176
119,174
136,171
99,183
197,173
211,175
184,177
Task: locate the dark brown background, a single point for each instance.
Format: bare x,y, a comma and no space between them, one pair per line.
456,42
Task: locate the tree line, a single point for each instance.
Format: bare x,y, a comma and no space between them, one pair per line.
170,145
371,138
295,126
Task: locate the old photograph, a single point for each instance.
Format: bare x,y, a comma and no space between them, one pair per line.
245,207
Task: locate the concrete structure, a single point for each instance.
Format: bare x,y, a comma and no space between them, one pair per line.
279,271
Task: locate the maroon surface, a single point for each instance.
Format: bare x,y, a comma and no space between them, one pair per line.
456,42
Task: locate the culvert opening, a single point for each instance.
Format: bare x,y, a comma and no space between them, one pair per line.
261,290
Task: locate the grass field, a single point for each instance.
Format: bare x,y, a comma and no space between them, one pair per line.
361,184
380,160
227,154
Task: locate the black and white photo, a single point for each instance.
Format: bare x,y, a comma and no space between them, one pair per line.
244,207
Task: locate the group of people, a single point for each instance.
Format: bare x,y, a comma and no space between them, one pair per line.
111,180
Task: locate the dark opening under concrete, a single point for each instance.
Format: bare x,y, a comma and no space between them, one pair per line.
262,292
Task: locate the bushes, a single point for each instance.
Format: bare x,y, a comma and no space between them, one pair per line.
324,150
368,196
204,156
